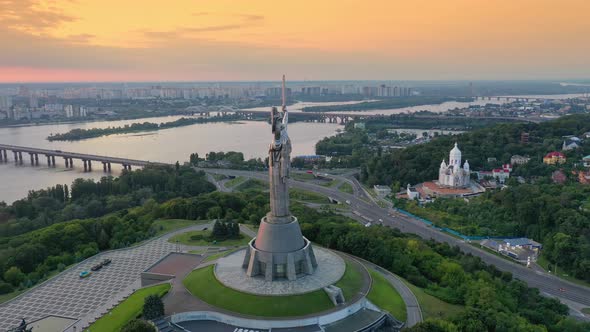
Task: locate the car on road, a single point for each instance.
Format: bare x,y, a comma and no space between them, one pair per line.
85,274
96,267
106,262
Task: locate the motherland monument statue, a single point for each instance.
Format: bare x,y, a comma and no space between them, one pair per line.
279,251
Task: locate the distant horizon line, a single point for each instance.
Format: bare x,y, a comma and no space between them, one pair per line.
553,80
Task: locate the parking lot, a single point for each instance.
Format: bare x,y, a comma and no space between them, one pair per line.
68,295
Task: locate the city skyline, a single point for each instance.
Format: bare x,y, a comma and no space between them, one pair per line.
92,41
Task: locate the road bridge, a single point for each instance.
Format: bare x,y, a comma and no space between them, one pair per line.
68,157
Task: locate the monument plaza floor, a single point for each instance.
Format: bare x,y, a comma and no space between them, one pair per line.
330,269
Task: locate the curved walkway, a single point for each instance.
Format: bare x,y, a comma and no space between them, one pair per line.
414,312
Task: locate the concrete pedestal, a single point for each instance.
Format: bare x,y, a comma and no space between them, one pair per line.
279,252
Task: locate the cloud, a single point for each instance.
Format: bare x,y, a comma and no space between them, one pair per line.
83,38
30,17
245,21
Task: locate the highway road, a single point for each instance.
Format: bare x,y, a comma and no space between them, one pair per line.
574,295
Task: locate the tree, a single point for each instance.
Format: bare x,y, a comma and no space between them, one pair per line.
153,307
138,325
433,325
14,276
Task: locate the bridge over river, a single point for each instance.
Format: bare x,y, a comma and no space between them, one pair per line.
87,159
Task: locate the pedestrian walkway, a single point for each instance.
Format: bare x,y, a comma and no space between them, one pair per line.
68,295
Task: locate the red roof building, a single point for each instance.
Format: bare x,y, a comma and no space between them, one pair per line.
554,157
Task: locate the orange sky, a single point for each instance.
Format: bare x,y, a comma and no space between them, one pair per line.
134,40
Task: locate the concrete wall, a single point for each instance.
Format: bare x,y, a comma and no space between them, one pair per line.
273,324
148,278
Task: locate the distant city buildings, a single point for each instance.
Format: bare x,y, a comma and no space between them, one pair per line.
519,160
5,103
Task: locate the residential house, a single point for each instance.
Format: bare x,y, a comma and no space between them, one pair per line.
519,160
553,158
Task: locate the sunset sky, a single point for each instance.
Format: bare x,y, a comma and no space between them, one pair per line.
202,40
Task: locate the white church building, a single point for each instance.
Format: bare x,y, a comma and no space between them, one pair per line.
453,174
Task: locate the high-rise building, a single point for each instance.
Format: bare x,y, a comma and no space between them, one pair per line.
5,103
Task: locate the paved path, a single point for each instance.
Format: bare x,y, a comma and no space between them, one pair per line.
412,306
87,299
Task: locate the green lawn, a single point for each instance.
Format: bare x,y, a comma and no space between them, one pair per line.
203,284
302,176
12,295
307,196
127,310
185,238
252,184
431,306
329,184
351,281
216,256
164,226
233,182
384,295
219,177
346,188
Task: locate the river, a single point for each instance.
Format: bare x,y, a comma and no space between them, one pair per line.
169,145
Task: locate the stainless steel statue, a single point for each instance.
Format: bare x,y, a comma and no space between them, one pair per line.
279,159
279,249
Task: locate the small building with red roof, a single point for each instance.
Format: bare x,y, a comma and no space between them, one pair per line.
553,158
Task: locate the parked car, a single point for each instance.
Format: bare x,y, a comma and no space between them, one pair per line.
106,262
96,267
85,274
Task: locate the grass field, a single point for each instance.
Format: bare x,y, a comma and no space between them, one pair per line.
233,182
185,238
302,176
203,284
216,256
351,281
431,306
164,226
252,184
219,177
307,196
11,295
127,310
386,297
346,188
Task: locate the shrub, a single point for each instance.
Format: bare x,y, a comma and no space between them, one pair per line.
6,288
153,307
138,325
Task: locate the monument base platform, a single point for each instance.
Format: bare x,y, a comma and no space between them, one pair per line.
330,268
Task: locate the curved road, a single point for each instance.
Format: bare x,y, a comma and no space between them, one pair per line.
574,295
